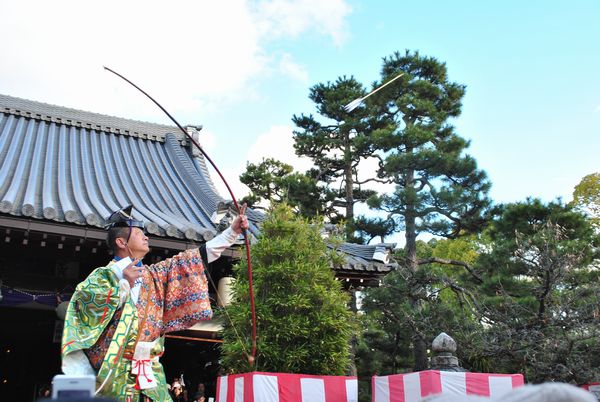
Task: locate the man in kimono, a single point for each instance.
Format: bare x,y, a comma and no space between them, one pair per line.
118,316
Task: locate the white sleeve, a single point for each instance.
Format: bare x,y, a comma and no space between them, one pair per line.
117,271
124,290
124,287
77,363
218,244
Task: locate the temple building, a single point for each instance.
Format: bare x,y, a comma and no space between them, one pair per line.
62,172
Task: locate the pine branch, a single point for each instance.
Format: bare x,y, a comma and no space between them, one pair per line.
375,180
463,264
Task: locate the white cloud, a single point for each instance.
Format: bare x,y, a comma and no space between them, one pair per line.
278,143
208,140
368,169
289,67
192,55
292,18
232,175
187,54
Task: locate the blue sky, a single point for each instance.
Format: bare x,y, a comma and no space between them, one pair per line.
243,68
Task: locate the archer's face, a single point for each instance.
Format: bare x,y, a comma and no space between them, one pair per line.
138,243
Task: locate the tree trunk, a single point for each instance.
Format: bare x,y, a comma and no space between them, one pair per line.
419,346
353,369
349,191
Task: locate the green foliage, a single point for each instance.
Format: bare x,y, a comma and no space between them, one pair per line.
586,197
370,228
379,352
337,143
275,181
264,179
304,324
521,298
465,249
541,293
438,187
418,304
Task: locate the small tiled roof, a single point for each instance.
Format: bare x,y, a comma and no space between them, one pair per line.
373,259
66,165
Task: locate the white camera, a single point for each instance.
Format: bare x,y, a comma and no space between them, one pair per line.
73,386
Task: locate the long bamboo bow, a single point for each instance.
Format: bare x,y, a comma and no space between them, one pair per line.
252,355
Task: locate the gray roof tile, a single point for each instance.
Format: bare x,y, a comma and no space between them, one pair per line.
65,165
366,258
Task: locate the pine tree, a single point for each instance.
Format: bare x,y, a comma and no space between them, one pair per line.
337,145
272,181
541,293
438,186
446,305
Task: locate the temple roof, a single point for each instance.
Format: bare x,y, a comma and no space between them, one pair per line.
372,259
71,167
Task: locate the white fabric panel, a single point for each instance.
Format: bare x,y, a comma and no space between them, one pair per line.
412,387
352,390
382,389
453,383
223,389
135,290
238,395
500,386
266,388
218,244
313,389
77,363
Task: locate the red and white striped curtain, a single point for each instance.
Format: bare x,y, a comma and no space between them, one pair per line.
594,388
281,387
412,387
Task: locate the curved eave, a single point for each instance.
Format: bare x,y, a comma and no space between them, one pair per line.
66,170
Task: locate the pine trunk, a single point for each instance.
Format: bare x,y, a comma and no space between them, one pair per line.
419,346
349,194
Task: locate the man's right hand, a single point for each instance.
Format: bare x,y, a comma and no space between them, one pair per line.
133,273
240,222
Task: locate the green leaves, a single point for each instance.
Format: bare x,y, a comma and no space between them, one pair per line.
275,181
338,143
304,324
439,188
541,292
586,197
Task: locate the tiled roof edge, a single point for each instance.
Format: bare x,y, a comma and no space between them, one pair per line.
88,120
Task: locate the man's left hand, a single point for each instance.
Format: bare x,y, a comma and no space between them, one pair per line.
240,222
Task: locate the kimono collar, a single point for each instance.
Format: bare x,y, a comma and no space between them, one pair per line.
139,263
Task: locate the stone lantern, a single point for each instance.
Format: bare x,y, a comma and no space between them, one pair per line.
444,348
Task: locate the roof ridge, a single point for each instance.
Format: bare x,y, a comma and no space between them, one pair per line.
81,118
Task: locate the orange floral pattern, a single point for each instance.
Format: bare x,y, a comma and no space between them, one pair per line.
173,296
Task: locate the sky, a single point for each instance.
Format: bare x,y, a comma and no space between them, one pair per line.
242,69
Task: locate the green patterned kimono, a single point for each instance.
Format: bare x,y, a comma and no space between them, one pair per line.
173,296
